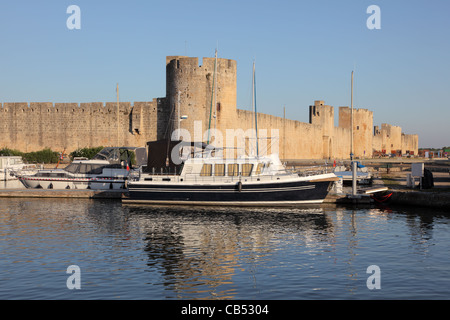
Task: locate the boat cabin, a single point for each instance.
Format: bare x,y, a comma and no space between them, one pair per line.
11,162
201,160
119,155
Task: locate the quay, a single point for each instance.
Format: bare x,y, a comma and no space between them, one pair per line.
43,193
438,200
389,186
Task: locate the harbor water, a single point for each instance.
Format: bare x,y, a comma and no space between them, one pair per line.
103,249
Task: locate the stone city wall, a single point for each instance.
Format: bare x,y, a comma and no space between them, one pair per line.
189,95
68,126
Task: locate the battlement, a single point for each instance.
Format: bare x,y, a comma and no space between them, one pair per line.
57,107
178,62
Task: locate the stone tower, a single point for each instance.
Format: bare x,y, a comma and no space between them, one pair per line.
323,116
189,91
362,129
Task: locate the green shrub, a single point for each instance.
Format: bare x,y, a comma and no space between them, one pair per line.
43,156
10,152
85,152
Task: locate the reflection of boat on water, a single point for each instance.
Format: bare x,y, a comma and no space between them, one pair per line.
11,164
206,178
210,247
109,169
363,175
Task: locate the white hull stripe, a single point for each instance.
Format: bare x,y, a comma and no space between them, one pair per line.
73,180
228,203
222,190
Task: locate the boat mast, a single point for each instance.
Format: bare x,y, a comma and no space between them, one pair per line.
351,139
254,108
212,98
353,163
215,91
253,103
118,116
179,116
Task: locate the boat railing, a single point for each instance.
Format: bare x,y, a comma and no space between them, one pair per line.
25,170
239,178
311,170
196,178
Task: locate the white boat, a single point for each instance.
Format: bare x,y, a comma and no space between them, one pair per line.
363,175
206,179
109,169
11,164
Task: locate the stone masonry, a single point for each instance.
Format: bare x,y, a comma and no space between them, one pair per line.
189,93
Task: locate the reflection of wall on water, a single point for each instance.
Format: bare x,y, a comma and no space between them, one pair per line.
199,250
66,215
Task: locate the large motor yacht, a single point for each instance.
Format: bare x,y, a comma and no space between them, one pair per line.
205,178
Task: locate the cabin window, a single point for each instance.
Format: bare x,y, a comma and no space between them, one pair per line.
259,168
233,169
206,170
96,169
247,169
57,175
72,168
85,168
219,169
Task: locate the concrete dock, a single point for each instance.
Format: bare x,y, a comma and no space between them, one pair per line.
389,188
438,200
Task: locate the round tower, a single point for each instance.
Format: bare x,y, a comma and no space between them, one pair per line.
191,90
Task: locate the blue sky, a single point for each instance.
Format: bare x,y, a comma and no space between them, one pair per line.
304,51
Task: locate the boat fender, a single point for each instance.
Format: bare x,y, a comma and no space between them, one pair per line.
239,186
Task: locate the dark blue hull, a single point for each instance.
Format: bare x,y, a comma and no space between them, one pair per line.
266,194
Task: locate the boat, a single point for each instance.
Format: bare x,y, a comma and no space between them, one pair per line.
11,164
363,175
108,169
205,177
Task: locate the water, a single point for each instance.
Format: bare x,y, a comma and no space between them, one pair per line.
171,253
